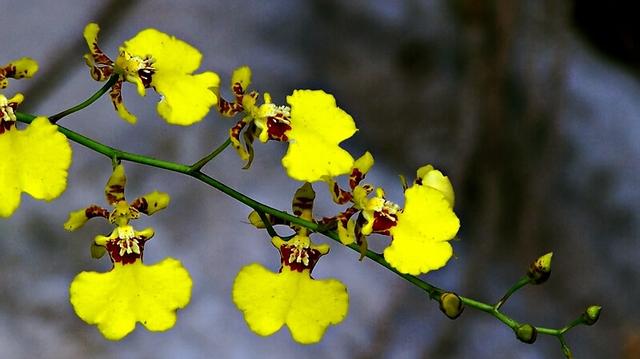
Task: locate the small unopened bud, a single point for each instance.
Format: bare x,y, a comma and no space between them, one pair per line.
526,333
97,251
540,269
591,315
451,305
255,220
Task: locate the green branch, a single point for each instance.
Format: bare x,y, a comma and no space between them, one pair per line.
112,80
262,209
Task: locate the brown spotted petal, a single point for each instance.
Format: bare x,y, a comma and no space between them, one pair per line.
114,190
78,218
100,64
151,203
17,69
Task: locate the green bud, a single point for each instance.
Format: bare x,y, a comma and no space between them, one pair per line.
451,305
540,269
591,315
97,251
526,333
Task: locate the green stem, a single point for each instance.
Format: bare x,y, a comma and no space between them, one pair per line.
112,80
519,284
431,290
565,348
204,160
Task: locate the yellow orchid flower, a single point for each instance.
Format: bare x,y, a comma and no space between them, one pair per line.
291,297
419,232
155,59
420,239
131,292
311,123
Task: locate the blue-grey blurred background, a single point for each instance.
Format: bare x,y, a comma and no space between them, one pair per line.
531,107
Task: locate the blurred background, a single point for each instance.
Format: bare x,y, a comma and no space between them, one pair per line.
530,107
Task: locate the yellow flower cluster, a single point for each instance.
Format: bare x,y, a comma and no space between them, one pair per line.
36,160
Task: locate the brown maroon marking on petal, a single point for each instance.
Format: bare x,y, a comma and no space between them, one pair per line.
224,107
8,71
96,211
115,193
234,132
360,221
286,251
140,204
336,189
304,202
5,126
127,258
116,188
116,93
238,91
146,75
100,57
346,215
341,196
102,66
355,178
101,73
276,129
383,221
418,181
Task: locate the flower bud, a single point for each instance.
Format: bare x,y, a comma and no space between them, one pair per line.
540,270
526,333
591,315
451,305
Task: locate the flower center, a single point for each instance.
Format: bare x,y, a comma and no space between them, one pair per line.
125,245
127,240
135,68
298,255
278,122
7,113
123,213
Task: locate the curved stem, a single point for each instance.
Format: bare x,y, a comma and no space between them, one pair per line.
112,80
519,284
204,160
433,291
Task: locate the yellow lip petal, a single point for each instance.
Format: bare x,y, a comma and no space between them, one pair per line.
317,128
186,99
307,306
420,239
35,161
115,301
